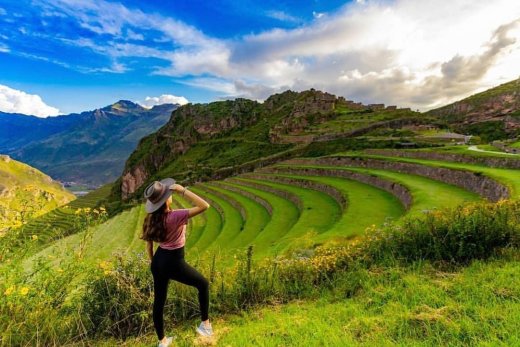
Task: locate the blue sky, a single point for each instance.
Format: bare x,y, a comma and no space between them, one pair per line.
63,56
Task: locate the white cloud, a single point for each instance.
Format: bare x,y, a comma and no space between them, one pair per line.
317,15
4,48
150,102
282,16
405,52
17,101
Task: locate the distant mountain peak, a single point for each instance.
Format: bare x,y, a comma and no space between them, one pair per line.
124,106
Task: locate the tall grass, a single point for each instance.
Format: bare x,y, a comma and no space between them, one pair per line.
114,299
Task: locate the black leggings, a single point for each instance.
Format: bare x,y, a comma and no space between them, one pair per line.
170,264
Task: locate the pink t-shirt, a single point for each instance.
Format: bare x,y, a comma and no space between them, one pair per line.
175,222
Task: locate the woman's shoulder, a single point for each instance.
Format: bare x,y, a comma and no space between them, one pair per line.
177,215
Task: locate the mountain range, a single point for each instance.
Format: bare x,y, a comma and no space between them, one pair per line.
88,148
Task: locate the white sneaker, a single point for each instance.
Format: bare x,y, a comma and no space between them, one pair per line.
167,343
204,330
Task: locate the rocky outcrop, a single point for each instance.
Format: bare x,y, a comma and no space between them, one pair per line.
472,181
133,180
498,103
507,163
311,107
399,191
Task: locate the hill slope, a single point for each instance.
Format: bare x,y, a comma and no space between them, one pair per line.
492,114
26,192
214,140
88,148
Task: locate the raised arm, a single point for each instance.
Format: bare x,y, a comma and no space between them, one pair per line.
201,205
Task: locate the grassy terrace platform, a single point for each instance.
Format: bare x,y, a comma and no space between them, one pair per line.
284,215
427,193
361,209
508,177
256,218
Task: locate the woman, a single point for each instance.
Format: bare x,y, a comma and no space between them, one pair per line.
168,228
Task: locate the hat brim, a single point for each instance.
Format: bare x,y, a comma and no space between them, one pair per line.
151,207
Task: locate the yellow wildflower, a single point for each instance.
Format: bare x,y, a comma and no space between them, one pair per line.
105,265
35,237
9,290
24,290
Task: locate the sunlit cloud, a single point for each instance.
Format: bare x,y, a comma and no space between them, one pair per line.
151,101
405,52
17,101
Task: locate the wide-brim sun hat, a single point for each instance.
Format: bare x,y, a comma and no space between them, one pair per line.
157,193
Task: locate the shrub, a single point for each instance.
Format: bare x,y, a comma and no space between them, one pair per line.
459,235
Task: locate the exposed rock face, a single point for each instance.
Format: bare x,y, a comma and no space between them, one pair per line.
495,104
133,179
394,188
472,181
508,163
5,158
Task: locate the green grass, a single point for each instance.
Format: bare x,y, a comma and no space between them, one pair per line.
515,144
395,307
463,149
360,212
417,305
118,234
59,221
256,219
311,221
27,193
285,215
508,177
218,227
427,193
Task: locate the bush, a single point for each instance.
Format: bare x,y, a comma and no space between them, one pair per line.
471,231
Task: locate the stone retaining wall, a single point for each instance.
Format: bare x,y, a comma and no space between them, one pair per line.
232,201
247,194
214,204
472,181
333,192
507,163
281,193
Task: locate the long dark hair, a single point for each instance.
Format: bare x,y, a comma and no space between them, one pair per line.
153,226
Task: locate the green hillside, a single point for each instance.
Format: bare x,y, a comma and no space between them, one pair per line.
26,193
